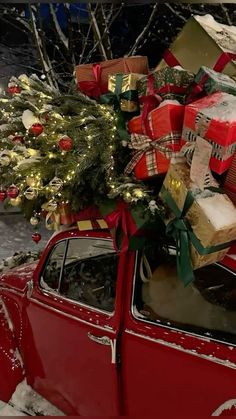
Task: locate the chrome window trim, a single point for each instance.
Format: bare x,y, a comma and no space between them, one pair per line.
178,330
182,349
78,303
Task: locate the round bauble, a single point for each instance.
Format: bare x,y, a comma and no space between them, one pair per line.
34,221
30,194
13,89
36,129
3,195
36,237
65,143
12,191
56,184
15,202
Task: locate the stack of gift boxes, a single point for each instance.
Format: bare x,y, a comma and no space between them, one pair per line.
181,123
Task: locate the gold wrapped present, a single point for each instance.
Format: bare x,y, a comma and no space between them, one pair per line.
203,42
202,222
124,86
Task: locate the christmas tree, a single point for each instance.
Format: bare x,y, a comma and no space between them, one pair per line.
58,149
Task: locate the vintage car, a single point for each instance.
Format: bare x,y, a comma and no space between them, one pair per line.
102,333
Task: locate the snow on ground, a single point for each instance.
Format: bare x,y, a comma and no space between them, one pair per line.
25,401
15,234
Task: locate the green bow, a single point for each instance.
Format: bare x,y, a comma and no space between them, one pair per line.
114,99
180,229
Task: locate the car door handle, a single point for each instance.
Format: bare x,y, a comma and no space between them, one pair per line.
103,340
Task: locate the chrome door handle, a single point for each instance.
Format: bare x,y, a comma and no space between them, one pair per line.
104,340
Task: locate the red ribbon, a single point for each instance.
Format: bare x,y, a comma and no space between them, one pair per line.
121,218
170,59
93,88
149,102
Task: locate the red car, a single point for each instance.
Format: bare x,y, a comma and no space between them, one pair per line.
102,333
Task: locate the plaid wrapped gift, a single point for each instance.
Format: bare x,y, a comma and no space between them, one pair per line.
230,181
169,83
92,79
203,41
164,122
150,157
214,119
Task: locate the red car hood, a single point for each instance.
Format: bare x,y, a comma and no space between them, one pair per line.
18,277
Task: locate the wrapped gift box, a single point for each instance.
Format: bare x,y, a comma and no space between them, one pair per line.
169,83
212,81
203,41
230,181
214,119
124,87
92,79
209,217
164,127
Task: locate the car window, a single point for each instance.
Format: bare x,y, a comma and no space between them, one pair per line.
89,273
51,274
206,306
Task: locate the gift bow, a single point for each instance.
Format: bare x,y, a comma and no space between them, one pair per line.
121,222
93,88
53,217
181,231
145,145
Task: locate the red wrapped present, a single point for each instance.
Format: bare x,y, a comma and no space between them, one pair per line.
230,181
164,122
214,119
150,157
92,79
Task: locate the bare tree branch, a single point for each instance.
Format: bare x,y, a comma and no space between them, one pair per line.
144,31
176,13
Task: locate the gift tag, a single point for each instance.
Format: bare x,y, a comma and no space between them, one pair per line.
200,162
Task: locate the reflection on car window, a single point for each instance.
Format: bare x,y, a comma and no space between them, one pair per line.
208,305
51,274
89,274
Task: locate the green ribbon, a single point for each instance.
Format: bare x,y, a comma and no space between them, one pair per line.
180,229
114,99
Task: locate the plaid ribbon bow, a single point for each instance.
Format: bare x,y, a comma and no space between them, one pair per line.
143,145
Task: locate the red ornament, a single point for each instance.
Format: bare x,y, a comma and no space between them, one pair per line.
3,195
65,143
36,237
37,129
13,89
18,139
12,192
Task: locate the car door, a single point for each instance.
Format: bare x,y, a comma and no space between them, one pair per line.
72,320
178,348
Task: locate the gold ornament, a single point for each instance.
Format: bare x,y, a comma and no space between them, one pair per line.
50,206
34,221
15,202
56,184
30,193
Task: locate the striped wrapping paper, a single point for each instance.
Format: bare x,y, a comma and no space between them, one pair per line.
230,181
214,119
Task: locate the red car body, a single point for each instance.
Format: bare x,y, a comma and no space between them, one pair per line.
89,362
